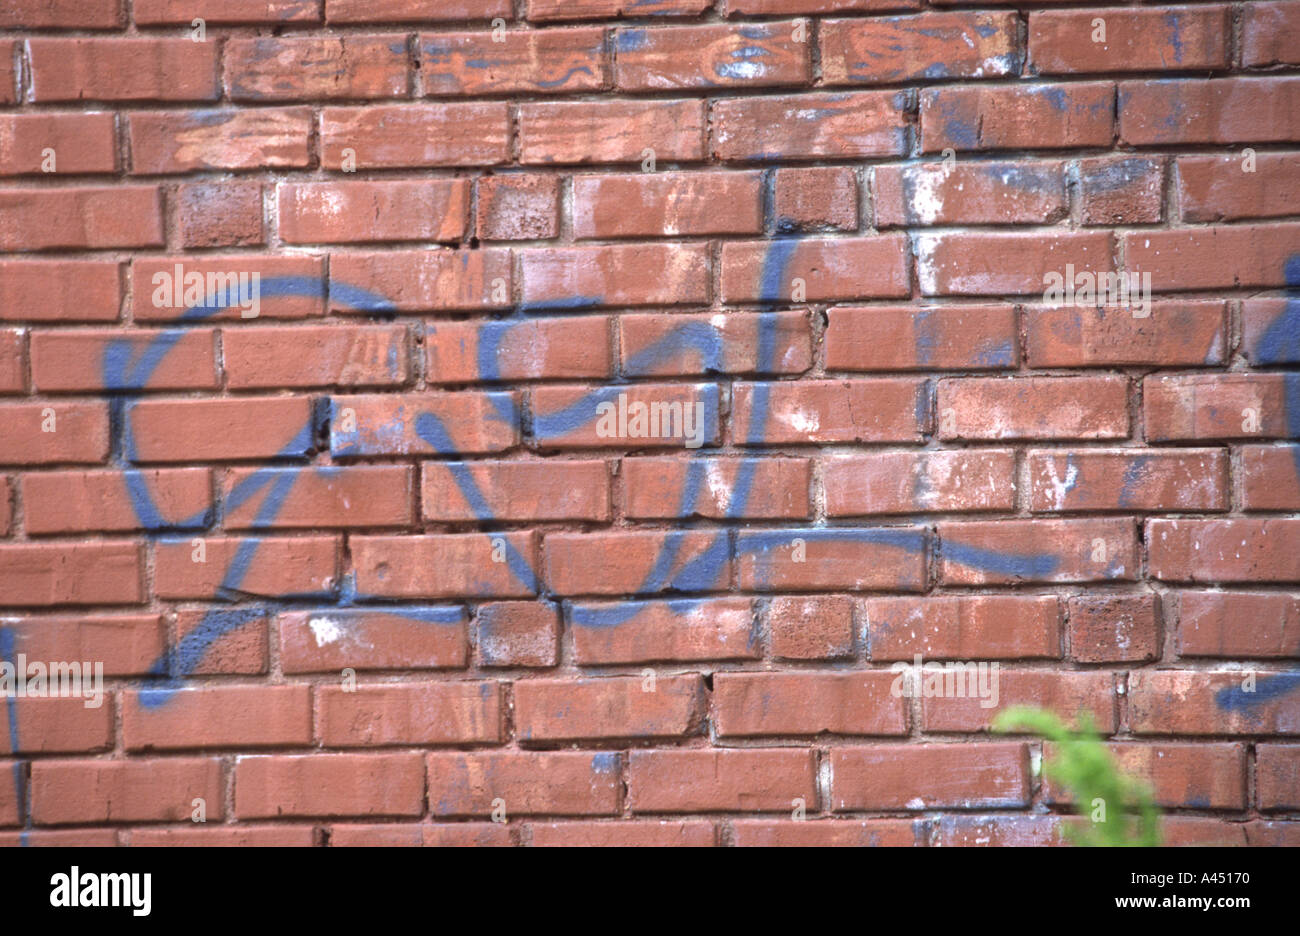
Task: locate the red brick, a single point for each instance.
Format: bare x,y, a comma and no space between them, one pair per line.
451,834
303,786
820,834
839,558
1276,767
522,206
216,717
1237,624
78,433
6,508
1202,776
974,263
409,11
655,345
1000,830
666,204
273,68
1115,628
283,566
573,277
1041,116
580,417
1194,831
456,492
169,142
820,411
429,713
514,61
905,48
1269,477
60,290
62,725
319,497
85,501
11,811
976,627
891,338
683,781
1270,34
1188,702
969,701
50,574
623,834
816,198
145,790
1214,257
1230,111
61,14
852,125
628,562
1128,479
219,214
1217,188
826,270
518,349
1007,552
230,836
1190,334
757,704
678,630
400,638
919,482
1229,550
929,776
182,12
127,644
416,281
612,131
8,71
550,10
656,488
13,361
62,838
182,430
770,7
811,627
621,707
123,69
446,566
1218,406
88,360
518,633
80,218
556,783
233,640
1121,190
969,193
711,56
81,143
1265,332
401,424
416,136
1272,833
333,355
293,286
1033,408
1165,39
359,212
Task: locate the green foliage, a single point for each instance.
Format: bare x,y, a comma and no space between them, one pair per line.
1117,810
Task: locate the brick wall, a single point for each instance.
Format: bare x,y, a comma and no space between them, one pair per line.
381,548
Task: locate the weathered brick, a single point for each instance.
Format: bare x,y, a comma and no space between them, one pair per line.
905,48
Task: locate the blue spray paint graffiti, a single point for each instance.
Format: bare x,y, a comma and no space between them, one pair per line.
125,375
